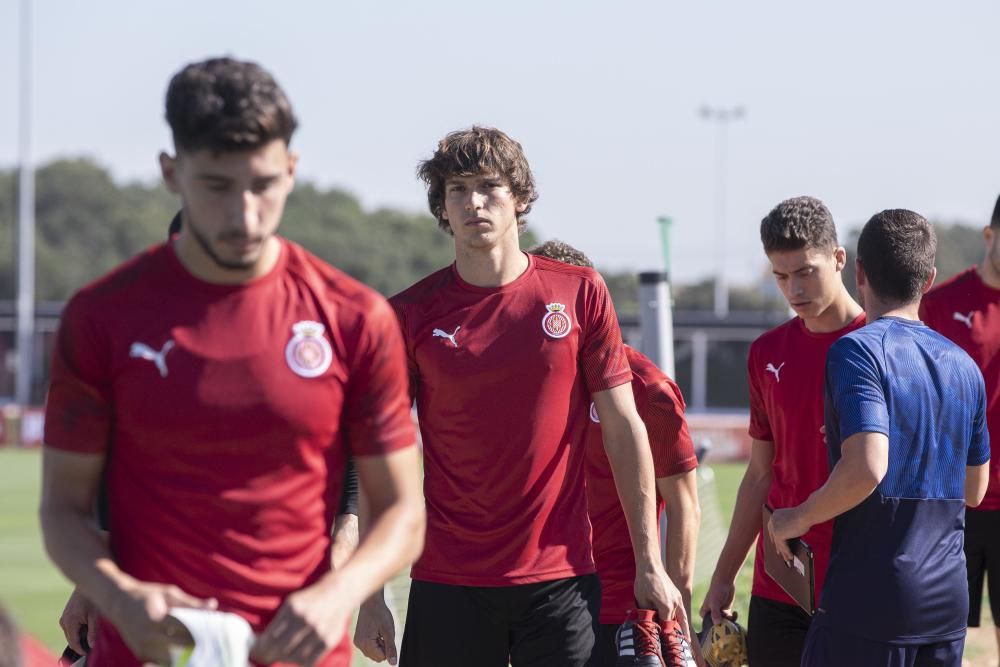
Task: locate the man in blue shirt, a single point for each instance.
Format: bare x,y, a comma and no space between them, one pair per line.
906,431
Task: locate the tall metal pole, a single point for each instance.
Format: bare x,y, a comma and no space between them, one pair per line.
721,117
25,223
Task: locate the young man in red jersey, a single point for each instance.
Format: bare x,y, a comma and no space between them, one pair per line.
788,460
506,352
966,309
234,373
661,407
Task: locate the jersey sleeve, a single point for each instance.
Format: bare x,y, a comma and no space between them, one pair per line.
78,407
855,390
979,448
669,438
413,376
377,407
760,425
602,354
349,492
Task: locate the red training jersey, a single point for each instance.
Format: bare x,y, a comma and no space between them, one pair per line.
967,311
787,372
226,413
661,406
502,378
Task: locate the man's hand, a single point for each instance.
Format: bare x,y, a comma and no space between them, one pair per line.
79,616
309,624
140,614
375,634
719,600
654,590
784,525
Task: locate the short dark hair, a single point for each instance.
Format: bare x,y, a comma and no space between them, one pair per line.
477,150
797,223
224,104
995,220
561,252
896,249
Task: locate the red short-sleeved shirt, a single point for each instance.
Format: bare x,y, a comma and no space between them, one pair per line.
661,406
967,311
226,413
502,379
787,370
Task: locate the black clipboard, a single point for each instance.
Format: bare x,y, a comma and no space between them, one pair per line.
798,579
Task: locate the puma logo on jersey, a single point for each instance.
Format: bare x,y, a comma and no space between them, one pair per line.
441,333
965,319
143,351
777,371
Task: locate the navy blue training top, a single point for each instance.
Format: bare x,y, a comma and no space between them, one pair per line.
897,569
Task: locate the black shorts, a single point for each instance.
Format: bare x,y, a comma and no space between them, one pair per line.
828,648
550,624
776,633
606,652
982,556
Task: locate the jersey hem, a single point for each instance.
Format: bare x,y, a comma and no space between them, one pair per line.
498,582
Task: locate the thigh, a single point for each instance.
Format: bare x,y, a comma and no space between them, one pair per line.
776,633
825,647
555,624
452,626
991,556
941,654
606,650
976,543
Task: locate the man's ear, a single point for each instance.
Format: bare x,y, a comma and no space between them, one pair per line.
840,257
168,169
930,281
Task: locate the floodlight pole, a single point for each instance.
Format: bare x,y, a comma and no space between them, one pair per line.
722,117
25,222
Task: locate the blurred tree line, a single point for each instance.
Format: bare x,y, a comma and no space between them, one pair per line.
87,224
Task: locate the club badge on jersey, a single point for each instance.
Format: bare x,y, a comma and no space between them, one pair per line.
556,322
308,353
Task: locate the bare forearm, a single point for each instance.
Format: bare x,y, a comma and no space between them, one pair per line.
682,540
632,466
80,551
745,525
393,540
850,482
345,539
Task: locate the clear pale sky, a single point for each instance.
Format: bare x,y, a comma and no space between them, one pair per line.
867,105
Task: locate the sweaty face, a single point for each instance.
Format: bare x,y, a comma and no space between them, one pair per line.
480,209
232,202
809,278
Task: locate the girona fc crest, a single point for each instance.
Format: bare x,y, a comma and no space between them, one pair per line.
308,353
556,322
593,413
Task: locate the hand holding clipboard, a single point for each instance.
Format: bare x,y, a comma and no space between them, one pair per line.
796,577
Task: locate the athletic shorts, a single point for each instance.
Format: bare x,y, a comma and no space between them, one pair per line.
826,647
982,556
776,633
606,653
548,624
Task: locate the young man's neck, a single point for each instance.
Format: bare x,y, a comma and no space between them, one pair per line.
199,264
491,267
988,273
907,311
838,315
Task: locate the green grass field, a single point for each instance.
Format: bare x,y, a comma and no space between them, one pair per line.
34,592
